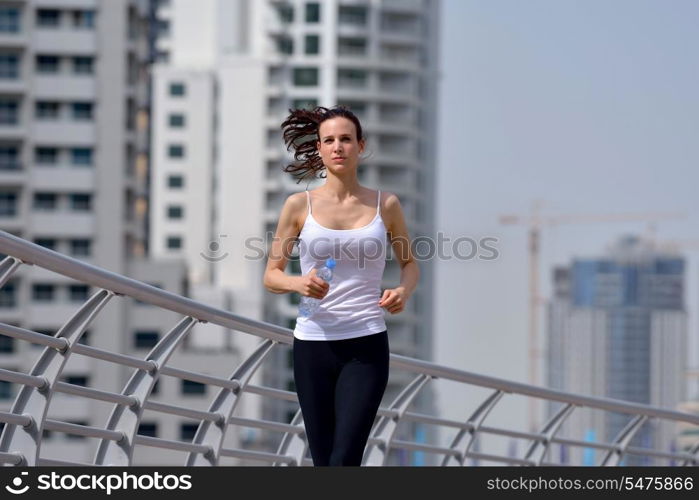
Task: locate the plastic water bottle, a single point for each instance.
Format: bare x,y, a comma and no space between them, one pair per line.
308,305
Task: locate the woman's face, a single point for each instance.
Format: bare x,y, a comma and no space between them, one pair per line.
338,145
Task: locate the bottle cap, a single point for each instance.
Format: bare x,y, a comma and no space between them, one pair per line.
330,263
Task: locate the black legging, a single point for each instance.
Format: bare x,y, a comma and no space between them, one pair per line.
340,384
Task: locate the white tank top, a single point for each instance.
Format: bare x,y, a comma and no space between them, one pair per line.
351,306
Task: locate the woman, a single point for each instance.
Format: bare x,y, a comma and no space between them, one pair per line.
341,351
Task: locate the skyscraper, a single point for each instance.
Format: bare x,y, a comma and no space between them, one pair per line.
618,328
228,73
74,110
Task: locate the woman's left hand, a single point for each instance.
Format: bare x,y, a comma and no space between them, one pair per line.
394,299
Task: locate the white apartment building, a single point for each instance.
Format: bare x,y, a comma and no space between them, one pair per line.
227,73
73,178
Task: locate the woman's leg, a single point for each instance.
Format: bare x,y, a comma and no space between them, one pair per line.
360,387
315,373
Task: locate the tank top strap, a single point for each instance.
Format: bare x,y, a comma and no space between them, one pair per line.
378,204
308,201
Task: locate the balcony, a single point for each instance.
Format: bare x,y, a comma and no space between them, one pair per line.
63,224
63,178
14,40
403,6
65,42
80,88
68,133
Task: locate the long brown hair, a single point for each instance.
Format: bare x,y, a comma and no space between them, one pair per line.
300,131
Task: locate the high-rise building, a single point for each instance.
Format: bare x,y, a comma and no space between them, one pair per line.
228,72
73,178
618,328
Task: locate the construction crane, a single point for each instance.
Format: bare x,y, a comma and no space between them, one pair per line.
535,221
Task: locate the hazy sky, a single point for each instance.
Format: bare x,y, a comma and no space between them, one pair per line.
591,106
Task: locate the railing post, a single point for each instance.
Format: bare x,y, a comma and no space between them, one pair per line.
474,423
385,429
549,430
34,401
126,419
613,457
292,444
211,434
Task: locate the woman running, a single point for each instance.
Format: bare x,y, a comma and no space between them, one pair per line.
341,351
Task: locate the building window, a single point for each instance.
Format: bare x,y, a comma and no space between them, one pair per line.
175,212
305,77
356,78
286,12
162,56
45,201
43,292
81,156
8,297
81,380
80,202
304,103
84,19
188,431
48,18
9,20
313,12
82,110
162,28
352,14
9,158
80,248
149,429
9,112
175,151
175,181
285,45
178,89
352,46
176,120
8,205
143,339
7,344
78,293
9,66
6,390
192,387
46,156
47,110
174,242
312,44
47,64
49,243
83,65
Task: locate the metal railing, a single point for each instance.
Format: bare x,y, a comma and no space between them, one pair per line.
25,423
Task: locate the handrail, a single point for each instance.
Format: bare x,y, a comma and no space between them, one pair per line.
20,251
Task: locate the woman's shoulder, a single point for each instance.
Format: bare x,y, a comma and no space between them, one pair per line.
389,201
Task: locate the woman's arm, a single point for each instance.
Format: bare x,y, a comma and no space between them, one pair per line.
275,279
394,299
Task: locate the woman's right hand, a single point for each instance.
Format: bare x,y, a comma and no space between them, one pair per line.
311,285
